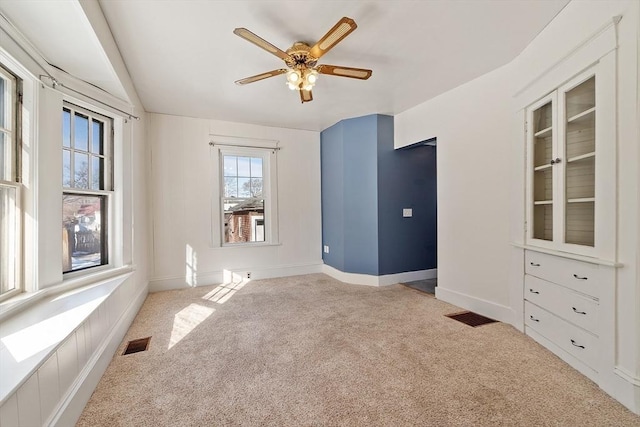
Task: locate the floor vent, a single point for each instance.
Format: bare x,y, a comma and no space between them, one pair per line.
135,346
471,319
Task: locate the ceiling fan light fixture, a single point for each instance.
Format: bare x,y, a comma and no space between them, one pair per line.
312,77
293,76
302,60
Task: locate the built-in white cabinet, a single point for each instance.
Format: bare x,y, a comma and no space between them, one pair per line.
569,276
565,137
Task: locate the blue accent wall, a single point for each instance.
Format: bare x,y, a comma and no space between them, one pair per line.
365,186
360,196
332,179
406,179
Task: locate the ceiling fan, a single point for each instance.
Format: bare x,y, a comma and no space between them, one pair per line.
302,59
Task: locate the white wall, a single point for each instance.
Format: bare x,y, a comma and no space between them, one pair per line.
182,204
473,125
481,164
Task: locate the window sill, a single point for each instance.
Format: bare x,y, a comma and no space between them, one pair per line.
248,245
31,335
24,300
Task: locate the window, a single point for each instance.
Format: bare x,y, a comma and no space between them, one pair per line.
10,216
247,196
87,148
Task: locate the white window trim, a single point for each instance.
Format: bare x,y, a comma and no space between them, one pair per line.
267,149
14,130
109,184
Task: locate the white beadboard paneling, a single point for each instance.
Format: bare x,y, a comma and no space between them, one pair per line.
49,388
9,412
29,403
94,328
68,362
81,347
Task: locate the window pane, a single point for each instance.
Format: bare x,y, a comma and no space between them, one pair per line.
256,167
81,170
66,128
244,187
244,221
256,187
230,187
243,166
230,166
66,168
83,236
4,101
5,156
96,142
96,173
81,130
8,231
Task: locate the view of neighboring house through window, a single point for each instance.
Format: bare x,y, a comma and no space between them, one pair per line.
10,217
243,199
87,147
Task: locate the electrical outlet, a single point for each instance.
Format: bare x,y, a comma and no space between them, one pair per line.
407,212
326,249
248,275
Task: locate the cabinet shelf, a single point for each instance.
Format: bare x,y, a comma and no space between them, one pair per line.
582,116
543,202
582,200
582,157
543,133
542,167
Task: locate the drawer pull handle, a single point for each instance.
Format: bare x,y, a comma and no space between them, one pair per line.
533,264
534,319
579,312
580,278
576,345
533,292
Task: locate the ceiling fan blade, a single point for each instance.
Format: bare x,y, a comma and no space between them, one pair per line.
260,42
336,70
339,31
261,76
306,96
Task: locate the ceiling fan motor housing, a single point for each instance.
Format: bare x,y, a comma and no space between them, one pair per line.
299,56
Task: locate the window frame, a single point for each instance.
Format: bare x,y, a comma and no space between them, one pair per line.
269,194
106,193
14,182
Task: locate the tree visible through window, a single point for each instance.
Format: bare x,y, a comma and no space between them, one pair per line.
243,199
86,178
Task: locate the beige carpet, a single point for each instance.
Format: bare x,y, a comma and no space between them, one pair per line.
311,351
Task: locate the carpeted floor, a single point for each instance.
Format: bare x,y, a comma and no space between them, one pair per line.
311,351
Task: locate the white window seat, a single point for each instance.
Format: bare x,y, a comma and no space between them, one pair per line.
29,337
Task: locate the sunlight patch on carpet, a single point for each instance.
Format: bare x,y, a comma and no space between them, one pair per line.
186,320
223,292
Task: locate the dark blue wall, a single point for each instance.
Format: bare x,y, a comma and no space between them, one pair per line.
406,179
332,161
365,186
360,196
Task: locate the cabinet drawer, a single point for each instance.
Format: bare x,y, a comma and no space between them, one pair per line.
577,275
562,302
575,341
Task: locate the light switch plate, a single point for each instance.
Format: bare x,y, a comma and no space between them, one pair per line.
407,213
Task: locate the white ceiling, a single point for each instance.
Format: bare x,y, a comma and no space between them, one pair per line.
184,58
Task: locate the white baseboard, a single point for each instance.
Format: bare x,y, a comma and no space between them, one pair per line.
386,280
625,388
72,406
217,277
486,308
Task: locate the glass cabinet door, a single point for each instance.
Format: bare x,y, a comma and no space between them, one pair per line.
543,151
580,166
